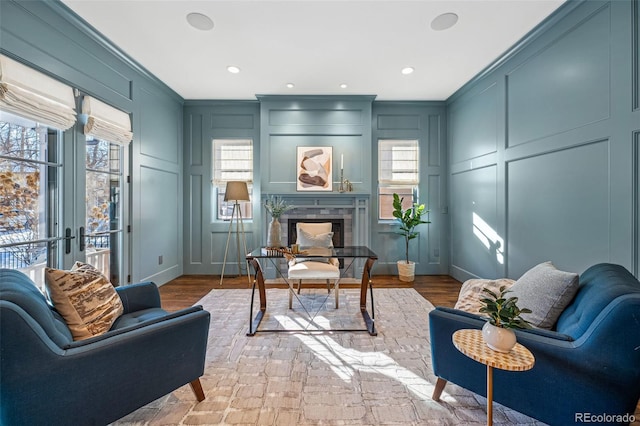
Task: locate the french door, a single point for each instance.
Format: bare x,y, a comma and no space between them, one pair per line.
63,198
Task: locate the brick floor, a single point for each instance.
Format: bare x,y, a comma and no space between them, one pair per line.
343,378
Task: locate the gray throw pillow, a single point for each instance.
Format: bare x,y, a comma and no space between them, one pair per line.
546,291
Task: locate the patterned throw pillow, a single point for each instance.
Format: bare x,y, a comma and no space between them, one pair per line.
471,293
85,298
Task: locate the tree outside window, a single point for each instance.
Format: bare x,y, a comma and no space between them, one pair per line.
21,203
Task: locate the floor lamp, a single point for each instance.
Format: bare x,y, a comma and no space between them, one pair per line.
236,191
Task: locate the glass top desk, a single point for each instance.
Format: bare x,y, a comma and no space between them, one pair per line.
349,254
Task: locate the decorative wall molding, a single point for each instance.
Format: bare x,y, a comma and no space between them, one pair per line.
561,95
636,203
287,122
635,54
530,38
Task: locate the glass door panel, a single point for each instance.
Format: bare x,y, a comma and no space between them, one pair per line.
30,237
103,234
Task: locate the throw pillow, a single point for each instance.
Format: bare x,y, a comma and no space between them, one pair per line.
546,291
85,298
305,239
471,292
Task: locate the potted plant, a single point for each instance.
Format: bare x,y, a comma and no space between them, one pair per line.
504,315
276,207
409,219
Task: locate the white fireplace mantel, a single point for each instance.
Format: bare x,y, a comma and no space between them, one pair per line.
353,208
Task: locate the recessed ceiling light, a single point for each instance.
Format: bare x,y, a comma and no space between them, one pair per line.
290,85
444,21
200,21
407,70
233,69
343,86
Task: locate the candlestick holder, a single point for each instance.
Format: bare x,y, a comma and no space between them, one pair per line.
341,187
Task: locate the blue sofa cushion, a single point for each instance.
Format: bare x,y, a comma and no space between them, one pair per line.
138,317
599,285
17,288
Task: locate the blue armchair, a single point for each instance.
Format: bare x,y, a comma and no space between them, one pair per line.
46,378
588,365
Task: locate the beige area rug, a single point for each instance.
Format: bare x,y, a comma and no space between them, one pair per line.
327,378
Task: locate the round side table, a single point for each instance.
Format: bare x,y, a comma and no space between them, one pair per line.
471,343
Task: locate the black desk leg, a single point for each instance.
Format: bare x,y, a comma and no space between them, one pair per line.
259,280
366,281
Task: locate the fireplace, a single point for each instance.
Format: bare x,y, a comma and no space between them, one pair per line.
337,226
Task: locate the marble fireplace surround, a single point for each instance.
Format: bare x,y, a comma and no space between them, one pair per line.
352,209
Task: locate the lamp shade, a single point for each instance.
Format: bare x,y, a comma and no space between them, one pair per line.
236,190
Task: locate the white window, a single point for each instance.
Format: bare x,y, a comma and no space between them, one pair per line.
232,161
398,172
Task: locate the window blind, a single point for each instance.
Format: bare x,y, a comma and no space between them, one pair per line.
34,95
232,161
106,122
398,162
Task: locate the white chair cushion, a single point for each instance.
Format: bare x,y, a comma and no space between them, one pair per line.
311,270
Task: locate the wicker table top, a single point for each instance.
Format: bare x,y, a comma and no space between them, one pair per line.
471,343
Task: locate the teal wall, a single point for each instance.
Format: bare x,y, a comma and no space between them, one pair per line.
544,149
351,125
343,123
48,37
204,237
426,122
539,153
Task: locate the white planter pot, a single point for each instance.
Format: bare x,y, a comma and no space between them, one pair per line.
406,271
498,338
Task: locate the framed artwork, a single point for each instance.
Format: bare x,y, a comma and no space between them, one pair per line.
314,168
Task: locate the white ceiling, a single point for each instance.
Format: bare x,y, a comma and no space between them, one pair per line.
317,45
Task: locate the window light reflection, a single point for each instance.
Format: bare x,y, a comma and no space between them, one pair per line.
346,362
488,237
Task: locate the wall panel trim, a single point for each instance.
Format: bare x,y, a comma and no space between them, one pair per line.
635,53
636,204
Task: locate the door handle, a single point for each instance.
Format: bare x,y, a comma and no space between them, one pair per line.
67,240
82,238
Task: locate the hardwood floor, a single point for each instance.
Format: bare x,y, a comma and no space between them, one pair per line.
185,291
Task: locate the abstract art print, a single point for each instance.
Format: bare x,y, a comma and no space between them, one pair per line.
314,168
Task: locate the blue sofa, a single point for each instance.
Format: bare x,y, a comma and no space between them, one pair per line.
588,365
46,378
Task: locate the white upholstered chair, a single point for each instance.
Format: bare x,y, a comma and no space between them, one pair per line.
311,237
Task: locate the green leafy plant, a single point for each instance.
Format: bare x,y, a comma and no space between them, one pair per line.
277,206
408,219
502,311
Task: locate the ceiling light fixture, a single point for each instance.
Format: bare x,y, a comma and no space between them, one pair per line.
200,21
290,85
343,86
233,69
444,21
407,70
